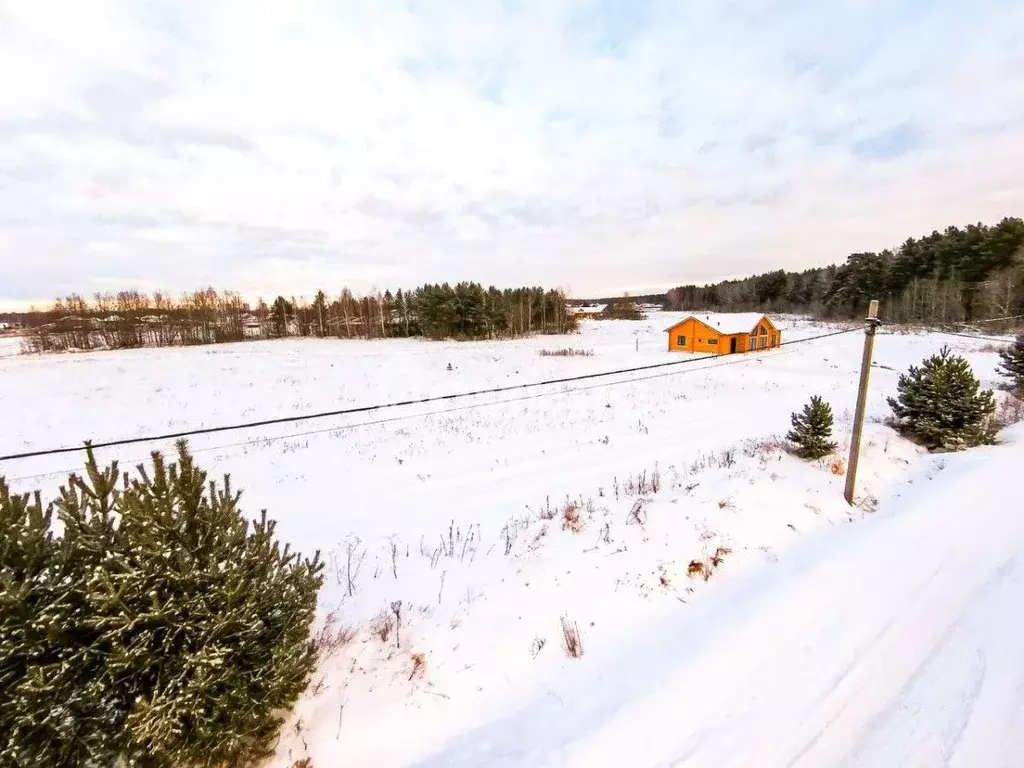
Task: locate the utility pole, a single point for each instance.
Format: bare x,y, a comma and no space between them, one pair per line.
872,323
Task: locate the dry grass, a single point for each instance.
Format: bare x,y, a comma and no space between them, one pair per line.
537,646
572,519
566,352
382,626
706,567
1010,411
663,578
838,468
419,665
767,446
571,637
549,512
994,347
332,636
719,557
638,513
645,483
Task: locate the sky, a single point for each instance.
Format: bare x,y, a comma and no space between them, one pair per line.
593,145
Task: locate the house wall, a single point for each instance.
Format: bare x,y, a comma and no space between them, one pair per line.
698,338
772,335
706,340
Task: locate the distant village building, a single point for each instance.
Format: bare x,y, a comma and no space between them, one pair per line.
252,328
723,334
588,310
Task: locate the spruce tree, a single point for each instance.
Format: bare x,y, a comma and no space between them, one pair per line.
812,430
1013,364
941,404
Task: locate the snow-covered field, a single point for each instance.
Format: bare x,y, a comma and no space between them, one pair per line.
812,641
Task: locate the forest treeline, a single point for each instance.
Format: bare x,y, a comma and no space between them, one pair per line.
133,319
958,275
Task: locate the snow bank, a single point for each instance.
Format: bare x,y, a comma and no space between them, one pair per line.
893,642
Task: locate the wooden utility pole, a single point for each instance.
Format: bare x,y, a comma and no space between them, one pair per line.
872,322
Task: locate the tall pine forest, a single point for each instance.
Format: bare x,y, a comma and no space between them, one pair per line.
958,275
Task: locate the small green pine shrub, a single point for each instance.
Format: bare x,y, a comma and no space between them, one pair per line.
812,430
158,628
942,406
1013,364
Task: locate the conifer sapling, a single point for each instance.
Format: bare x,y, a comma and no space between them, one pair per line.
942,405
812,430
157,627
1013,364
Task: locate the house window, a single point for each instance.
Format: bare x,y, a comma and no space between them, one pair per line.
713,342
752,342
764,337
680,341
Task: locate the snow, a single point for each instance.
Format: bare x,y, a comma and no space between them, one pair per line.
442,507
588,309
10,346
893,642
727,322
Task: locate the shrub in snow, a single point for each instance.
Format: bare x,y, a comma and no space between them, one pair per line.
941,404
571,637
812,430
1013,364
566,352
159,628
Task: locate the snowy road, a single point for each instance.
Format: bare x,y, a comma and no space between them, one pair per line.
896,641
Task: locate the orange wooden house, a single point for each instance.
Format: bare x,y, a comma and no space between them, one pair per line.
723,334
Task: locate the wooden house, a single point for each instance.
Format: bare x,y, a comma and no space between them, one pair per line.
723,334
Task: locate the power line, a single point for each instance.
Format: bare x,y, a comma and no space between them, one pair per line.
396,404
425,414
977,337
998,319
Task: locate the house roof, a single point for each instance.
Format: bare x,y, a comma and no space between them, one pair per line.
726,323
589,309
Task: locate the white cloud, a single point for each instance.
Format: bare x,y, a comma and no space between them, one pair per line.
275,147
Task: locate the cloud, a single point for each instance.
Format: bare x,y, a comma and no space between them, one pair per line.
597,145
888,143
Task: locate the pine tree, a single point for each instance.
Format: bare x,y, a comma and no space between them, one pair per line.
1013,364
941,404
812,430
213,633
320,312
281,314
57,707
158,629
